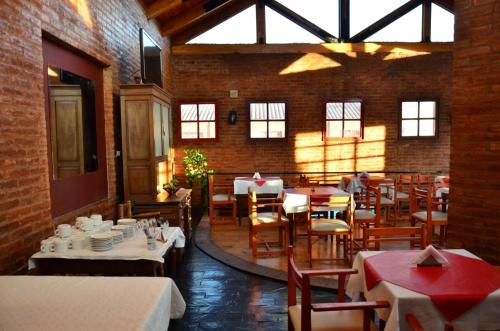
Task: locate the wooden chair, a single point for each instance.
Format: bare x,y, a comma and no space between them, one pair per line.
221,196
430,215
386,203
125,210
378,235
368,211
275,219
424,182
308,316
415,325
324,227
401,194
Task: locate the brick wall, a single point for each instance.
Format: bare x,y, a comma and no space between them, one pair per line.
105,30
475,148
305,81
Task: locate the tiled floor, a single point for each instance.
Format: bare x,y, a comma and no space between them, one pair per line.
219,297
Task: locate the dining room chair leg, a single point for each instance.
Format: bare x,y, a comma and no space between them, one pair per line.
309,249
211,214
235,213
254,242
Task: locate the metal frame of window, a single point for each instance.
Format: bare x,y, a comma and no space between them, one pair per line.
267,120
197,121
418,118
343,120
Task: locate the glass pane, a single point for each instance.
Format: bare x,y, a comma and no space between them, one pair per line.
258,111
207,130
189,113
207,112
334,129
352,110
409,128
280,30
428,109
409,109
189,130
277,129
157,128
333,110
166,129
276,111
427,128
352,128
258,129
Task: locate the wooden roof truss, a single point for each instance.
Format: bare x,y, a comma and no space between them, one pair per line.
183,20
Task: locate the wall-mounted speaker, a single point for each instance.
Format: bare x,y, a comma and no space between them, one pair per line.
233,116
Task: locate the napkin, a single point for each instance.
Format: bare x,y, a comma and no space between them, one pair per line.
256,175
430,256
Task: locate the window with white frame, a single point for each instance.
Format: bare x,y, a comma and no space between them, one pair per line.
343,119
267,120
418,118
198,121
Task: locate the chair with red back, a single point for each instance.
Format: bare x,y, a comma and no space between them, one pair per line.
341,315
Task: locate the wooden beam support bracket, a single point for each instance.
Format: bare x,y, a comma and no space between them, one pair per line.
344,20
386,20
426,21
300,21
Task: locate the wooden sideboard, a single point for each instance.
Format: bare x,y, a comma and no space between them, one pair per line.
176,209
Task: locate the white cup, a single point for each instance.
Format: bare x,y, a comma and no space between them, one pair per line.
47,246
63,230
61,245
79,242
85,224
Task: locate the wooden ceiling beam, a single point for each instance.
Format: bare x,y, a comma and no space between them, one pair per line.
260,17
300,21
449,5
209,20
160,7
426,21
344,20
177,22
386,20
368,48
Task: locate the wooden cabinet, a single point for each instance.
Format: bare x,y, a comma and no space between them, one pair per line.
146,140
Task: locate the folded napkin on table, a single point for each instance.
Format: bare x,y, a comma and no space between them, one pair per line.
256,175
430,256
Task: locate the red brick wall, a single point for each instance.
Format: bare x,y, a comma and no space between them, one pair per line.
381,80
475,147
105,30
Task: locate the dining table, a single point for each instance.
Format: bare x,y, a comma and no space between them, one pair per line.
464,292
296,200
131,256
80,303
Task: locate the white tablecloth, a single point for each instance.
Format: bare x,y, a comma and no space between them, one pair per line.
299,203
88,303
272,185
484,316
129,249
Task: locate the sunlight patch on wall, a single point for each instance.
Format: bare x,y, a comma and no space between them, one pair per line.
82,8
310,62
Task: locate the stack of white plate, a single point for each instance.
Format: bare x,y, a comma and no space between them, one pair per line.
101,242
128,231
127,221
117,237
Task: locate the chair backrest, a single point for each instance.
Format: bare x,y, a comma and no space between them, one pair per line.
424,182
369,199
335,203
255,203
405,183
378,235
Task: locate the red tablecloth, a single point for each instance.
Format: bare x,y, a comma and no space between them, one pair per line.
454,289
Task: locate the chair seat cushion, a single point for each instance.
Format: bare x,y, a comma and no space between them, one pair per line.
223,197
363,214
437,216
328,225
342,320
383,201
270,217
402,195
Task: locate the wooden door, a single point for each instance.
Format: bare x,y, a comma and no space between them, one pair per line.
66,130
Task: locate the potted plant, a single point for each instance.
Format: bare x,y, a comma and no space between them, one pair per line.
195,169
172,186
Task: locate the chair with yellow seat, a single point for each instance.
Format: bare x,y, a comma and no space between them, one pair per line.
260,219
368,211
324,227
334,316
430,216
